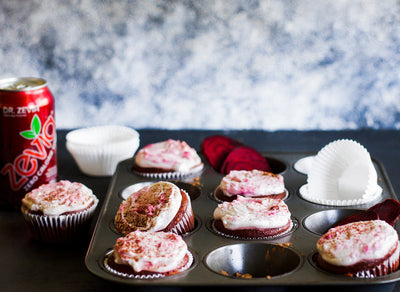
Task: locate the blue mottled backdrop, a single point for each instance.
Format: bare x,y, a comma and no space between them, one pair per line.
305,64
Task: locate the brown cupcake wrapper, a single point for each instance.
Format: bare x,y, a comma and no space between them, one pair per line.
60,228
147,275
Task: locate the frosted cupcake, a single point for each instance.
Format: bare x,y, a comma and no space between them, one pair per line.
167,159
147,255
363,249
161,206
56,212
251,183
252,218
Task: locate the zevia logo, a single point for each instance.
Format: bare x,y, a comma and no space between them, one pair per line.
26,166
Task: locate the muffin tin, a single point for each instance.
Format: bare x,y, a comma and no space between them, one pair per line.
220,260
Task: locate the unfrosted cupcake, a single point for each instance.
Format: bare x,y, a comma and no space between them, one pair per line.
251,183
58,211
167,159
147,255
363,249
252,218
161,206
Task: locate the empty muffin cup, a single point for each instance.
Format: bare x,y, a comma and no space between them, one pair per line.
320,222
253,260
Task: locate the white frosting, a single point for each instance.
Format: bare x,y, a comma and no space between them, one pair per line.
170,154
251,183
150,251
59,197
250,213
167,211
354,242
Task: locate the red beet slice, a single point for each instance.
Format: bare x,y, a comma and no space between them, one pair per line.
244,158
360,216
388,210
216,148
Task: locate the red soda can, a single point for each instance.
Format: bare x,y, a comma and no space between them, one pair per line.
28,136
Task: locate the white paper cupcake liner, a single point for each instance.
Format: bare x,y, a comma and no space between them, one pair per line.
304,192
342,174
171,175
98,150
60,228
304,164
146,276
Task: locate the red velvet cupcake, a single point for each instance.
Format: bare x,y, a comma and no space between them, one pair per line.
57,212
167,159
363,249
161,206
252,218
147,255
251,183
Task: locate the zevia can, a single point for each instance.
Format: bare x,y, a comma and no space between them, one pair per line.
28,138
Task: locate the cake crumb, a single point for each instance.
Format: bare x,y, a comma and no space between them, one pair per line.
247,276
224,273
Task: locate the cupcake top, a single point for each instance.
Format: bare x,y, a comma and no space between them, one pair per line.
150,251
59,197
252,183
150,209
170,155
358,241
251,213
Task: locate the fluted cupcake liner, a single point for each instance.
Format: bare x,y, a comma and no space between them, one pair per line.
98,150
342,174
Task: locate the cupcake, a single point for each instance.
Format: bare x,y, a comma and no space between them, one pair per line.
251,183
167,159
146,255
161,206
252,218
363,249
58,211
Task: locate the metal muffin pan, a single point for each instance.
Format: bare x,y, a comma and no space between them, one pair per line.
219,260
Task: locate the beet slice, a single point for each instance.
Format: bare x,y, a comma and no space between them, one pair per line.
360,216
244,158
216,148
388,210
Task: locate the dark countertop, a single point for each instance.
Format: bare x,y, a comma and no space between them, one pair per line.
31,265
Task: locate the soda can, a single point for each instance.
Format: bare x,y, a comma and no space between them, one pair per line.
28,150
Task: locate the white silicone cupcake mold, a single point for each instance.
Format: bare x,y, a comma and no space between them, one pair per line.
341,174
97,150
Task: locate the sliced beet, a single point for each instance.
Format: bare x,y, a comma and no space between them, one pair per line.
360,216
388,210
216,148
244,158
